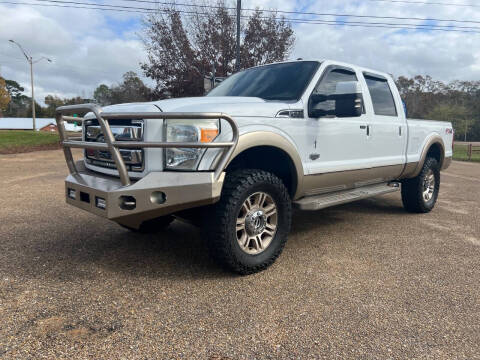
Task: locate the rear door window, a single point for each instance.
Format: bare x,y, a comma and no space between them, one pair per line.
382,98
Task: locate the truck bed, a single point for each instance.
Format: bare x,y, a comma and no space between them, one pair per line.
420,130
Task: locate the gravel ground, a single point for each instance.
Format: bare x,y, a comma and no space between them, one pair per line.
364,280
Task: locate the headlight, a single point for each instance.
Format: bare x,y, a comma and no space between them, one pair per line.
204,131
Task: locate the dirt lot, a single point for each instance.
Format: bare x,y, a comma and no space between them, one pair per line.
364,280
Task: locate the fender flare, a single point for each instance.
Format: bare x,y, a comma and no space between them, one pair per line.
268,138
431,140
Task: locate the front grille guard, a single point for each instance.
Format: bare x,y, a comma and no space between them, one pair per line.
112,145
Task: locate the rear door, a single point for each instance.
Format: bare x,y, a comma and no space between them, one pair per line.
387,127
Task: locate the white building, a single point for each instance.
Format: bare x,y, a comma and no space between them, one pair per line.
27,124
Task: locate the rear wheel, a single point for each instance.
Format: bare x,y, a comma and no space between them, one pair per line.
152,226
419,194
247,229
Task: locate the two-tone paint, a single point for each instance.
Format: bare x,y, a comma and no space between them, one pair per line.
325,154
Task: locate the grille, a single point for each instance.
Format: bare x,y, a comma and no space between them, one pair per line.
123,130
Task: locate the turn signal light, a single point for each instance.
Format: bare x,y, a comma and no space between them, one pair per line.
208,135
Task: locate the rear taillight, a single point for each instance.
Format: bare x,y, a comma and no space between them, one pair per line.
451,131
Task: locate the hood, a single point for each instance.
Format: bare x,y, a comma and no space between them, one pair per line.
232,105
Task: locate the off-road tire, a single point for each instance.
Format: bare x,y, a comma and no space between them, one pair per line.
412,189
152,226
220,225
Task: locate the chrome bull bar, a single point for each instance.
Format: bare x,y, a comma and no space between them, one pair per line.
113,146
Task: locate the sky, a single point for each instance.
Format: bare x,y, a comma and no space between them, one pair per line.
91,47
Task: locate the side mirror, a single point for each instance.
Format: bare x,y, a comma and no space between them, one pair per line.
347,101
315,108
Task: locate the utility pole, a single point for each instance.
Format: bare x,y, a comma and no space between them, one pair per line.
213,74
33,94
31,62
237,61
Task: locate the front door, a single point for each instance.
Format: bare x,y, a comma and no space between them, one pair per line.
341,142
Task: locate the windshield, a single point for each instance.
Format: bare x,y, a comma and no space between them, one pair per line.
285,81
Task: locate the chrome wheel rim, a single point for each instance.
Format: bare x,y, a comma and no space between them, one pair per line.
428,186
256,223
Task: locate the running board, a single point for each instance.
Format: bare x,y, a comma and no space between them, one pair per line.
345,196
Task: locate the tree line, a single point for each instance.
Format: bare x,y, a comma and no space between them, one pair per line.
15,103
457,101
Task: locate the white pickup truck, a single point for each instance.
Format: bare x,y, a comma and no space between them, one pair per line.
304,134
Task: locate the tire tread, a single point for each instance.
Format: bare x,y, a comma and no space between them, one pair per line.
412,189
217,232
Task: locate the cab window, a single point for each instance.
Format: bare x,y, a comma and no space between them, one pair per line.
327,87
382,98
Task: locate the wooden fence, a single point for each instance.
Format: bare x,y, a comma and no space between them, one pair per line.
471,149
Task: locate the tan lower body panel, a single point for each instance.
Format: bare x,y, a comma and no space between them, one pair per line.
409,170
446,162
182,190
342,180
412,168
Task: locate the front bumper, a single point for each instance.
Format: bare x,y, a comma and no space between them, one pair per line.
177,190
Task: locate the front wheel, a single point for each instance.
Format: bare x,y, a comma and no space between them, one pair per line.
419,194
248,228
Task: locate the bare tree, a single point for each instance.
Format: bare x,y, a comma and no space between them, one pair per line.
183,49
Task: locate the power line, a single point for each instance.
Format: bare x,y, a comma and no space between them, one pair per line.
294,20
340,22
96,4
427,3
299,12
307,13
373,16
387,25
73,7
106,7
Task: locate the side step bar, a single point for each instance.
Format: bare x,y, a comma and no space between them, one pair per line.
317,202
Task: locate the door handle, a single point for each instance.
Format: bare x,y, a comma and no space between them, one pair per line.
367,127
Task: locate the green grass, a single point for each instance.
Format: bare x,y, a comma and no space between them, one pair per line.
460,152
12,141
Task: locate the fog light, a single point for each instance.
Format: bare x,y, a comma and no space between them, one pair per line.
158,197
71,193
100,203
